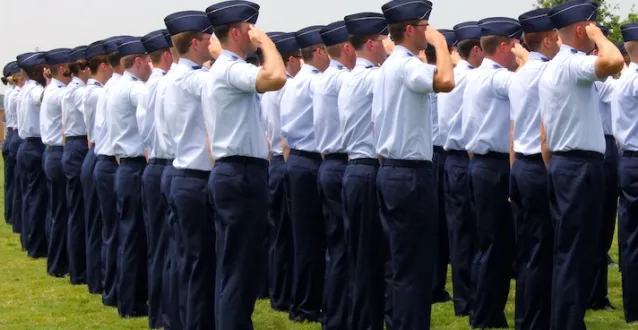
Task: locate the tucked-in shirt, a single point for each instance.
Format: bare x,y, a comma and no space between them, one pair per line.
103,145
120,117
297,109
355,110
605,91
51,113
401,107
91,94
525,105
11,107
72,117
326,109
270,107
185,117
146,113
449,110
165,146
624,109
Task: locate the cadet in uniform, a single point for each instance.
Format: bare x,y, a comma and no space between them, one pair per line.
301,168
403,138
12,181
158,48
189,200
575,139
528,179
459,213
238,185
9,163
101,72
329,178
75,150
281,260
366,248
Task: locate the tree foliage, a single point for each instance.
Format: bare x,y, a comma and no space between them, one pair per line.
607,16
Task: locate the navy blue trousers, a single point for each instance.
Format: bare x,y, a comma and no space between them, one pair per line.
535,240
576,189
493,261
75,150
598,295
281,259
238,189
189,199
155,222
132,257
57,260
16,199
309,247
628,226
407,201
35,200
461,221
9,176
170,289
93,224
440,273
104,180
366,243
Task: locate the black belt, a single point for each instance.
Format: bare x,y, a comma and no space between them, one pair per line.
55,148
132,160
580,154
459,153
364,161
438,149
307,154
278,158
36,139
106,158
495,155
410,163
629,153
160,161
10,129
76,137
336,156
192,173
529,157
610,137
243,160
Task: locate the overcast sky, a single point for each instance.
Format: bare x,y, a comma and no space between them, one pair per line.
49,24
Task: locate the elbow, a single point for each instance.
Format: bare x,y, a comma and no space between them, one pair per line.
279,80
444,85
618,64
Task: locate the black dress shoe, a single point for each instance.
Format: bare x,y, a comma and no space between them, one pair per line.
441,297
603,305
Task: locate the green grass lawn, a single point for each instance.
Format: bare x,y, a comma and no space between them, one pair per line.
29,299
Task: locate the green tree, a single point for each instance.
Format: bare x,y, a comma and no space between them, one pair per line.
607,16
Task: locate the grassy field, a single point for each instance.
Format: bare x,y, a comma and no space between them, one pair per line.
29,299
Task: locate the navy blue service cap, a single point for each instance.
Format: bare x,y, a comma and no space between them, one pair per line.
286,42
95,49
309,36
603,29
501,26
536,21
233,11
156,40
397,11
28,60
131,46
273,34
629,32
366,23
57,56
10,69
111,44
334,33
450,36
572,12
77,53
467,30
188,21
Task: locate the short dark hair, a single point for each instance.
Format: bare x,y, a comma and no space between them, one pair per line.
287,55
156,56
36,73
358,41
465,47
308,53
491,43
397,30
129,60
221,32
114,58
534,41
95,62
182,41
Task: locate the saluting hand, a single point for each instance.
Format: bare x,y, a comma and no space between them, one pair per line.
257,36
593,32
521,53
434,37
388,45
215,48
455,57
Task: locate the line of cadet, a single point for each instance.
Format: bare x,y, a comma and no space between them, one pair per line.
329,176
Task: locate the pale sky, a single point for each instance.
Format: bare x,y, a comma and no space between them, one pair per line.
50,24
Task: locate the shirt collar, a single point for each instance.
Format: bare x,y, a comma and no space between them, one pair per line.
190,64
309,68
288,75
365,63
337,65
570,49
538,56
94,82
633,66
57,82
131,76
403,50
159,71
78,81
465,63
231,55
488,63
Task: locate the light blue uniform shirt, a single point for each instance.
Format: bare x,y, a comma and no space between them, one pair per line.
51,113
436,133
232,109
185,117
103,145
91,94
569,103
624,109
401,107
326,109
270,106
449,109
165,146
120,117
72,117
146,112
605,91
7,95
355,110
297,109
525,105
11,109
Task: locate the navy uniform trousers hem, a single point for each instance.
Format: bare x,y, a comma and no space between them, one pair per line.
58,259
443,258
407,203
93,224
34,199
170,289
575,184
628,227
16,199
